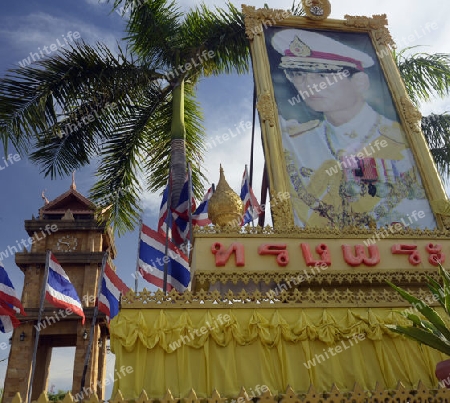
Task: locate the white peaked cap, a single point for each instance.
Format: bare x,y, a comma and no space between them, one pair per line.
312,51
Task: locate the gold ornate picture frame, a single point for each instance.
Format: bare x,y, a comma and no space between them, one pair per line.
395,173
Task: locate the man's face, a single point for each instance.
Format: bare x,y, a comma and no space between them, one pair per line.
327,92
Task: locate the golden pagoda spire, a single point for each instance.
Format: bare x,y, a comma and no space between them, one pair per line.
225,206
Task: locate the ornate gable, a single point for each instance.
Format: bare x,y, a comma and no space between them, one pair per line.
72,201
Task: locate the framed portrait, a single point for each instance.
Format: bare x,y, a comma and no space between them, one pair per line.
339,132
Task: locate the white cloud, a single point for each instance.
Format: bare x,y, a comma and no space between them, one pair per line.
227,100
30,33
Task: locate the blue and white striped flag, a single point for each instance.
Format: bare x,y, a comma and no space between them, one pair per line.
59,291
152,258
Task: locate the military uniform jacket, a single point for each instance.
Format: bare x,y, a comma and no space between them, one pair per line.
355,174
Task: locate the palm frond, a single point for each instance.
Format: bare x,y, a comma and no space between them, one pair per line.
297,9
39,99
221,32
59,156
433,331
433,317
424,337
117,191
436,129
424,74
153,30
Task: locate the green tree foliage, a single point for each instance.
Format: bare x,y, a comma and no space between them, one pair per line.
134,113
426,76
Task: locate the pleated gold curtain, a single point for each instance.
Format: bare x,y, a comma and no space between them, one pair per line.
224,349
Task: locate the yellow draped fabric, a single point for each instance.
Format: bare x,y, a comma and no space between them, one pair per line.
203,349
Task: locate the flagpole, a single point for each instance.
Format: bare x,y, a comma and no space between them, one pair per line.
252,146
136,274
168,221
94,320
38,327
191,232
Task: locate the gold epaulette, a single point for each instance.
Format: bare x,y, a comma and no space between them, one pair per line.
393,132
300,128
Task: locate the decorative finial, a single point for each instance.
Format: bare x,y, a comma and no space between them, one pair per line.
73,186
225,206
44,198
317,9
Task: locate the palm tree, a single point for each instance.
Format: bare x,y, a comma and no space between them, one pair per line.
136,112
426,75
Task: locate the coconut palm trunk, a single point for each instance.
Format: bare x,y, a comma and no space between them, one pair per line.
177,143
155,122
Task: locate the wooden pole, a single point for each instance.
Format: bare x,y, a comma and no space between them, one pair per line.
136,274
168,230
94,320
38,327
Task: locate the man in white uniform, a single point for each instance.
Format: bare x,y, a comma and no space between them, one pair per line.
354,167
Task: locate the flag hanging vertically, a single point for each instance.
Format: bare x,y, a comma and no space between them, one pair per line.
152,259
8,320
252,209
59,291
112,287
163,212
200,216
8,293
180,214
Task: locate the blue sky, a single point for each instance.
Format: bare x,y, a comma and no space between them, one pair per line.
27,26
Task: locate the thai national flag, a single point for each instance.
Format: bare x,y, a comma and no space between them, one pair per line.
180,215
8,320
8,293
163,211
112,287
59,291
252,209
152,257
200,216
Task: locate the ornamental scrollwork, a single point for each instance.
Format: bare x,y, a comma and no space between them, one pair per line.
304,297
317,9
258,19
280,215
411,114
266,109
323,279
376,23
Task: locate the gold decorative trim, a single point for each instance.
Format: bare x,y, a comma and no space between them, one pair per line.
329,278
445,221
441,206
357,395
265,106
411,114
282,213
286,231
317,9
296,298
382,41
376,23
256,19
442,209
